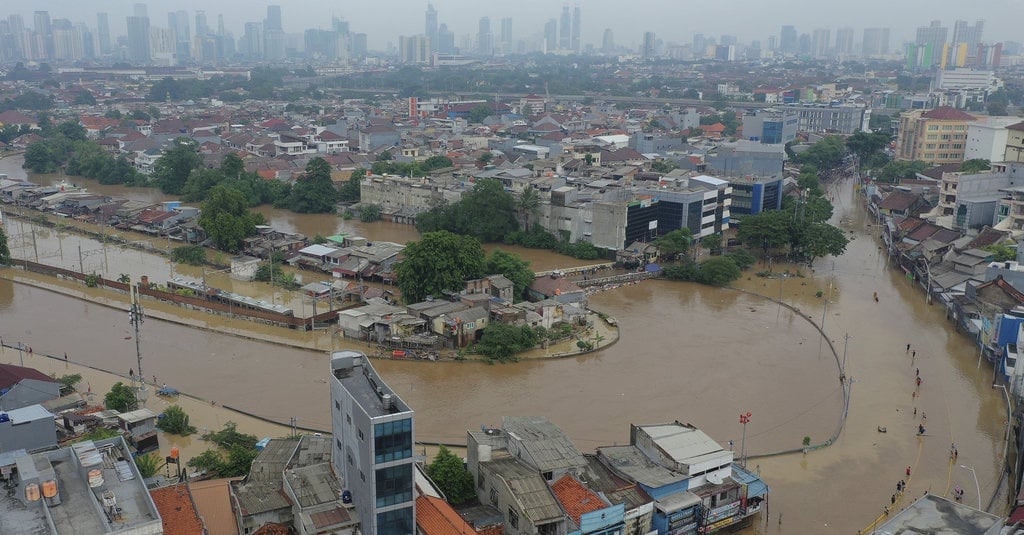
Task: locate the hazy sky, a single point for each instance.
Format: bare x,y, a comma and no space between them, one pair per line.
671,20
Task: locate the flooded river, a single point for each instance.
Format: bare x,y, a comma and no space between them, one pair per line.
687,352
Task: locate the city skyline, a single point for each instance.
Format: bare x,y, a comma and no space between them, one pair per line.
671,24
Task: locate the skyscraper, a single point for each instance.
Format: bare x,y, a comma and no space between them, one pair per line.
484,38
273,21
430,28
608,41
506,33
374,434
844,41
933,39
273,35
445,40
138,39
876,42
576,15
550,36
964,33
788,40
41,19
252,40
178,22
565,29
820,42
103,33
16,25
647,49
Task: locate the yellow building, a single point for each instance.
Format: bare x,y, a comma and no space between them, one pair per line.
935,136
1014,143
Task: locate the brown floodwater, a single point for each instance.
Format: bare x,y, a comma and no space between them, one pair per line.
687,352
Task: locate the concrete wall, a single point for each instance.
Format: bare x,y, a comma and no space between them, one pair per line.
29,392
30,436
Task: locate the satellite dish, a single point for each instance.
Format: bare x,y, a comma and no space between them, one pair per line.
714,479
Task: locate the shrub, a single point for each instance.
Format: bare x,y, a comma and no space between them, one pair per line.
175,421
193,255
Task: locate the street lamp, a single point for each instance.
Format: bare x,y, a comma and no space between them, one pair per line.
976,487
744,419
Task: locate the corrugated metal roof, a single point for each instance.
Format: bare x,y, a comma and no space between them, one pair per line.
529,488
545,443
686,445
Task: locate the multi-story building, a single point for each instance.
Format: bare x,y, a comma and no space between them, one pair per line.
770,125
701,204
876,42
138,39
932,39
828,118
935,136
1014,151
373,441
987,138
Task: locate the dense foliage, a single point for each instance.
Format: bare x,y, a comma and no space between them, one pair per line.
513,268
226,218
448,472
121,398
234,456
413,169
314,192
175,165
5,250
715,271
193,255
501,341
440,261
232,174
488,213
175,421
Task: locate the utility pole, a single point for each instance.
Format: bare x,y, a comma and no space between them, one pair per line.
846,344
35,250
292,420
744,419
136,316
81,266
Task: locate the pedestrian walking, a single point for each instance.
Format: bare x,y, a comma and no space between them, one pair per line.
918,372
893,499
915,411
918,381
908,471
908,347
131,372
65,356
955,455
913,354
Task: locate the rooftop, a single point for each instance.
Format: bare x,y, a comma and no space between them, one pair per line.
177,510
529,487
939,516
97,490
353,370
547,447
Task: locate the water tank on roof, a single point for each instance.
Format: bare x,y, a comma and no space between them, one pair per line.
346,496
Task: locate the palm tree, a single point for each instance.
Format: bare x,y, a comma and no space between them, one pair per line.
528,204
124,278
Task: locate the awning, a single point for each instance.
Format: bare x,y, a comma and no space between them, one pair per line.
756,487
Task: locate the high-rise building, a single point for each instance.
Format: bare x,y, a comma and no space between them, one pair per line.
608,41
430,28
820,43
374,434
44,29
550,36
359,47
140,10
506,33
876,42
964,33
252,40
413,49
484,38
565,29
773,43
16,26
576,16
273,21
788,40
844,41
138,39
933,39
647,49
446,40
178,23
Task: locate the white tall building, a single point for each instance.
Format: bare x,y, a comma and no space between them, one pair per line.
986,138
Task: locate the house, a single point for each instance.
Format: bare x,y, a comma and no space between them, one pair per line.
213,501
903,203
177,510
29,428
558,288
15,117
21,387
590,513
140,429
935,514
435,517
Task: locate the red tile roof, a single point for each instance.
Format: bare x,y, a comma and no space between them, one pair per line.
177,510
11,375
576,499
273,529
947,113
435,517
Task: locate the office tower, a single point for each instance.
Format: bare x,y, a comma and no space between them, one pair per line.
647,48
430,28
252,40
484,38
876,42
773,43
788,40
178,22
506,32
138,39
140,10
820,43
413,49
805,44
608,41
933,40
340,26
550,36
16,26
359,44
844,41
44,29
202,28
964,33
727,40
445,40
273,21
565,29
576,15
374,433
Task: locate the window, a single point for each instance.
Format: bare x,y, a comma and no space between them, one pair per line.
348,419
362,476
350,463
394,485
337,405
494,497
480,482
397,522
361,436
513,518
392,441
338,444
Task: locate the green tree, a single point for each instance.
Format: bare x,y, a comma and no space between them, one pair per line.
232,166
975,165
208,461
439,261
226,218
40,158
488,212
673,244
718,271
767,229
5,250
369,213
193,255
501,341
68,382
121,398
175,421
897,169
314,192
513,267
350,190
173,168
72,130
820,239
527,205
864,144
743,258
1002,252
449,474
479,113
149,464
711,242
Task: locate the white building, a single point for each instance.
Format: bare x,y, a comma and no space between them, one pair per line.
986,138
959,79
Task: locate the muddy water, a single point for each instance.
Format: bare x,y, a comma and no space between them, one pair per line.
686,352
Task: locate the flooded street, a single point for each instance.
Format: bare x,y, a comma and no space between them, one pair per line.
687,352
